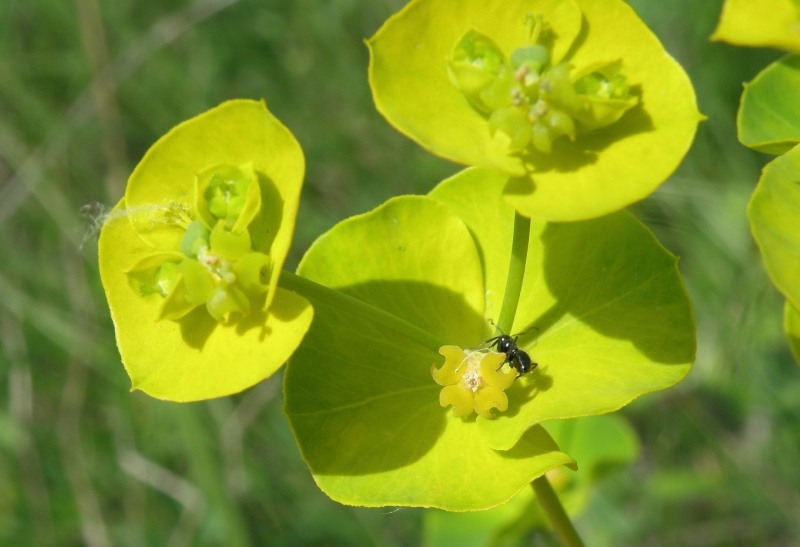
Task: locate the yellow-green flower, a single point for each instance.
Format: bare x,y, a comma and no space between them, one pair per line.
576,101
190,257
530,101
216,263
473,380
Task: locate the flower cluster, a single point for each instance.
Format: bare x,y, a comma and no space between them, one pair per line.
191,256
215,264
530,100
561,97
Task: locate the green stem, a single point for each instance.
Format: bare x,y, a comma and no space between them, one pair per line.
320,294
555,513
516,272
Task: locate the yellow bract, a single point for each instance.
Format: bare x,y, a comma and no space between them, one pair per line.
766,23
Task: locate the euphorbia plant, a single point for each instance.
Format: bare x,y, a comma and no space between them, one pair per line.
769,121
190,257
603,305
570,110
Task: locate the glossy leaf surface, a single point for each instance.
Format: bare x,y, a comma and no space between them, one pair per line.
769,116
613,323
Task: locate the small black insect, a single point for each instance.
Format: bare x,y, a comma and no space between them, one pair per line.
517,359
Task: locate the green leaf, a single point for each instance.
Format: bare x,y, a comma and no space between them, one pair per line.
774,213
361,399
613,318
769,116
474,196
603,309
190,355
413,244
765,23
594,175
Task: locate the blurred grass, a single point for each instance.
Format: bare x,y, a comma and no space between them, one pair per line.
86,86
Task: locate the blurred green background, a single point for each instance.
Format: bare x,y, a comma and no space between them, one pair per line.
86,86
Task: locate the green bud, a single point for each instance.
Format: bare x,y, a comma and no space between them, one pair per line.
552,125
618,87
154,273
252,273
176,304
198,281
598,113
605,95
165,278
228,193
514,125
228,245
498,92
534,57
541,138
591,84
195,238
557,88
560,123
478,68
478,51
224,301
603,80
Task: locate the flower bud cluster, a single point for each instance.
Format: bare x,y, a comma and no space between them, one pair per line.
529,101
215,265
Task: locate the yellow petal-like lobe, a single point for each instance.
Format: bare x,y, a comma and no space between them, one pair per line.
496,375
488,398
447,375
459,397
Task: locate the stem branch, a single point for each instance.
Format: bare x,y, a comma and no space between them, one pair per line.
516,272
555,513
